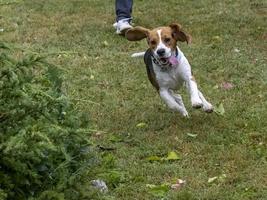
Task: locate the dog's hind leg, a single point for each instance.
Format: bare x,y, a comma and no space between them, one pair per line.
170,100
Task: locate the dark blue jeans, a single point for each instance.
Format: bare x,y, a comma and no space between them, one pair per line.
123,9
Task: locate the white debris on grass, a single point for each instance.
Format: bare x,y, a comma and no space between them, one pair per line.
180,183
100,185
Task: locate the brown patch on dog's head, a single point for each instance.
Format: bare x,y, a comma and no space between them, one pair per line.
169,35
153,39
167,38
139,33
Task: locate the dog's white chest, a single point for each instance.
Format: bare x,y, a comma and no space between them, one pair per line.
168,78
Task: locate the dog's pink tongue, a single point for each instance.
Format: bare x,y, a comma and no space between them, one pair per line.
173,60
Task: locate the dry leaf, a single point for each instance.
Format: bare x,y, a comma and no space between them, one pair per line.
141,125
227,85
105,43
191,135
178,185
211,180
171,156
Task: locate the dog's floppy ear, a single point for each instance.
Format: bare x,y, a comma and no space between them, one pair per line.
179,34
136,33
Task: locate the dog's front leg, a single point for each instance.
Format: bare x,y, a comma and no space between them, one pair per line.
170,101
207,107
193,91
178,98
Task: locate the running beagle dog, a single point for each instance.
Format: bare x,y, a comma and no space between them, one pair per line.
167,67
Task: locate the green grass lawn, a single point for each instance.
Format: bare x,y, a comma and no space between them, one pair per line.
131,123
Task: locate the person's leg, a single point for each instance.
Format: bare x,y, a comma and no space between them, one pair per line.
123,9
123,15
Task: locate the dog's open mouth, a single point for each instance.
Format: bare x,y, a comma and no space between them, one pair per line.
164,60
172,60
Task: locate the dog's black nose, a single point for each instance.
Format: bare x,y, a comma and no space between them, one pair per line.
161,52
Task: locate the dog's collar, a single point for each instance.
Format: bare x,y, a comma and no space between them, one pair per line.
165,65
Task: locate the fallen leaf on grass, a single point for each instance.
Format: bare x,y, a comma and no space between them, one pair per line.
227,85
161,190
217,38
115,138
153,158
180,183
141,125
236,50
215,86
158,190
105,43
98,134
219,110
220,178
171,156
211,180
191,135
92,77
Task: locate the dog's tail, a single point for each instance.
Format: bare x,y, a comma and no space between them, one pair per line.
139,54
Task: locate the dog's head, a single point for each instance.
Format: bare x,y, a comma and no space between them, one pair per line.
162,41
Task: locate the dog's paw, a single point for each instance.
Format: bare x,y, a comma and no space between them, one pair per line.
185,114
197,105
208,108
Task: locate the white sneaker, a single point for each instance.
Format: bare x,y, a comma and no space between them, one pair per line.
122,26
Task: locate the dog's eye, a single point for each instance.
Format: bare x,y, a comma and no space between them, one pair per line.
153,42
167,40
